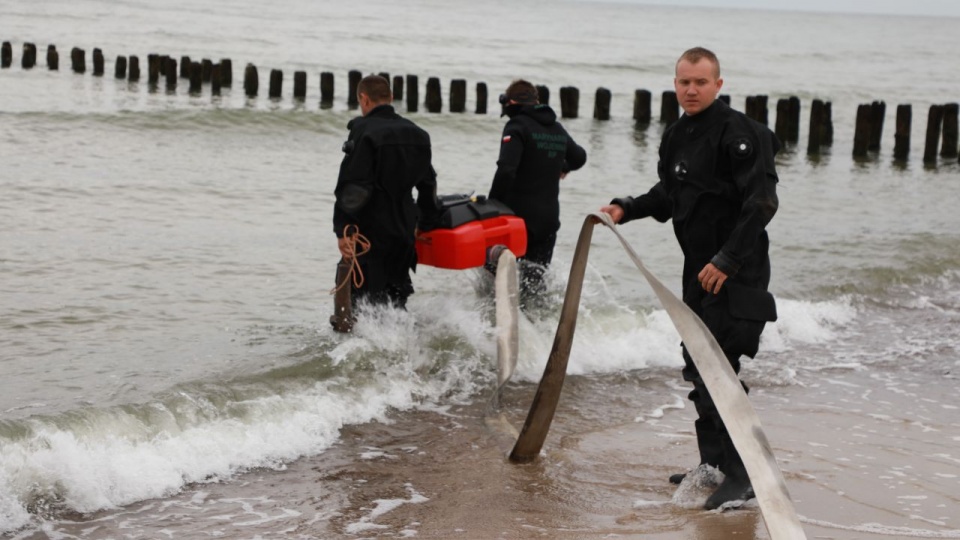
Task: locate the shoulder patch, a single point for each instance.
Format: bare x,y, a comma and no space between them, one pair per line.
506,138
742,148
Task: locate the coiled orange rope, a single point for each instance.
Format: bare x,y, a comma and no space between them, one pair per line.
357,245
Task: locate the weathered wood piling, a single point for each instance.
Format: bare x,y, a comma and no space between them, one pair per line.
413,93
300,85
170,73
398,87
878,110
756,108
29,58
433,100
815,137
601,104
353,81
669,107
134,71
482,98
641,107
543,94
934,123
6,55
97,62
861,134
458,95
326,90
53,58
275,89
120,68
216,79
948,147
78,60
251,81
196,79
569,102
901,137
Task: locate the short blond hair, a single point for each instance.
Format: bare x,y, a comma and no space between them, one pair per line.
697,54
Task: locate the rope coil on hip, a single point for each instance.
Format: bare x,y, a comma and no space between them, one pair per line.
357,245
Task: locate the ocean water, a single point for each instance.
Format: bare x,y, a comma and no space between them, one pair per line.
166,259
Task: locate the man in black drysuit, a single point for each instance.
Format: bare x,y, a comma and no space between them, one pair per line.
718,184
535,154
386,157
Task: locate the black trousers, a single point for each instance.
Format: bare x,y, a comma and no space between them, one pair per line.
386,281
533,265
737,337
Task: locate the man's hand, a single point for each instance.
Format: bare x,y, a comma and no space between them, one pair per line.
346,249
615,211
711,278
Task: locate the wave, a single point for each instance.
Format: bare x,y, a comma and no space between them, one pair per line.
442,352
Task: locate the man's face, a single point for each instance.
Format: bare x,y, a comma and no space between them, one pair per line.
697,85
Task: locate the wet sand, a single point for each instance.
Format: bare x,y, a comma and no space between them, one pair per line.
866,454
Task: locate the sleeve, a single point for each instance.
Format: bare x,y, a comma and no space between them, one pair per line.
654,203
754,174
427,200
575,156
356,182
511,152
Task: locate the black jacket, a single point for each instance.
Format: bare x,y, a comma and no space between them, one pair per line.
386,157
534,151
718,183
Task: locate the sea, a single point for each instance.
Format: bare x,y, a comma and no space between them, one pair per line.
167,258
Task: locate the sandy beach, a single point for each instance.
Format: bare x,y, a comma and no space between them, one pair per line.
866,455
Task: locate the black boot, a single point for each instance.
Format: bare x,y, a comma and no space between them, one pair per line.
736,483
709,442
731,489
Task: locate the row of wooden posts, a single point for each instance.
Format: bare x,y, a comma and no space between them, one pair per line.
867,135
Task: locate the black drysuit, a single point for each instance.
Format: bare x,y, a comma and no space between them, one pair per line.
534,151
386,157
718,184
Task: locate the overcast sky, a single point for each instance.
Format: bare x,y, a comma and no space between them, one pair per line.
950,8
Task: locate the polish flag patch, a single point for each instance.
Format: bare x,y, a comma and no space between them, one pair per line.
506,139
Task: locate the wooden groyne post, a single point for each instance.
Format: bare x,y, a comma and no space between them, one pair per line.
482,96
756,108
196,79
543,94
276,84
787,127
53,58
901,138
134,71
878,110
815,137
458,95
326,90
29,59
641,107
861,134
120,68
353,81
300,85
251,81
78,60
948,147
170,72
433,101
6,54
669,107
601,106
216,79
934,122
398,87
569,101
413,93
97,62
